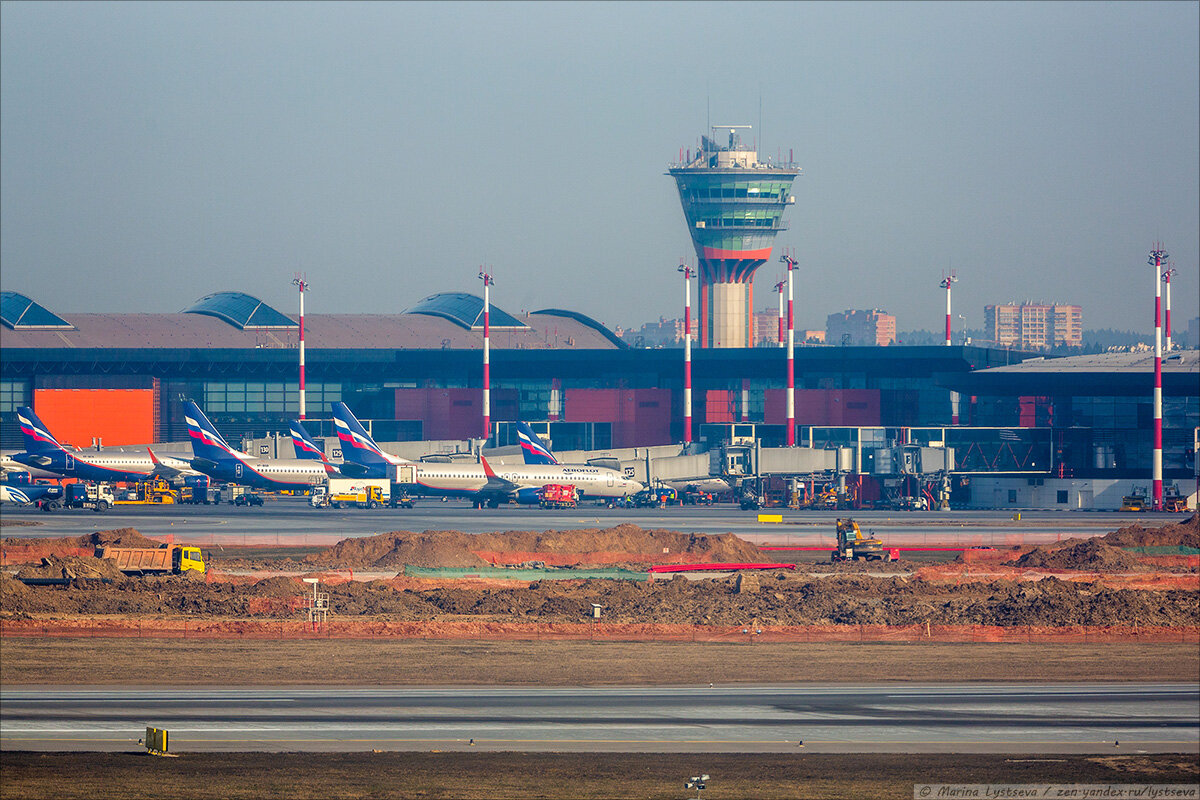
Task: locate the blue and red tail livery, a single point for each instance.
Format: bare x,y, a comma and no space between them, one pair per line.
207,442
357,445
532,448
306,447
38,438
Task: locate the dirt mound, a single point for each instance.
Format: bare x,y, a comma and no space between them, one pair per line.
1093,555
1180,534
428,549
627,543
280,586
781,599
118,537
72,568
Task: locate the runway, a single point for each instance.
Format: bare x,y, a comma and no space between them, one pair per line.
1075,718
289,521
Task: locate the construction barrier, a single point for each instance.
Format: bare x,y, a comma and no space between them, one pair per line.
596,631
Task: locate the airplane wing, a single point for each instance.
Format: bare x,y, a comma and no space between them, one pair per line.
495,484
171,469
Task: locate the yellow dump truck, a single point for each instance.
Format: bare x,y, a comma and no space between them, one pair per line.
165,560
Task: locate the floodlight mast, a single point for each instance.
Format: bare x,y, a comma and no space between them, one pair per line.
487,378
1166,276
1158,258
300,283
687,352
955,400
786,258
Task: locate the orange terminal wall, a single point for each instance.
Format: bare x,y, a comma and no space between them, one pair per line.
116,416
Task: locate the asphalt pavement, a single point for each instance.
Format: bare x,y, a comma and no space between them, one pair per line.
290,521
1068,718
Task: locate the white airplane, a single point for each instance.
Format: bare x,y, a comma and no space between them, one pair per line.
478,482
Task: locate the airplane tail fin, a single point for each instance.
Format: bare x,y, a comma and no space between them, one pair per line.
532,448
357,445
37,436
306,447
207,442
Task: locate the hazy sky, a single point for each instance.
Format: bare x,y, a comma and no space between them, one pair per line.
151,153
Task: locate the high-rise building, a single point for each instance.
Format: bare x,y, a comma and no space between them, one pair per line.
1034,325
734,205
873,327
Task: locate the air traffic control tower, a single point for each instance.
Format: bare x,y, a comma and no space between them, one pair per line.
734,206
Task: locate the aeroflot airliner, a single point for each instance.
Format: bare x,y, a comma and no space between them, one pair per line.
214,457
43,452
478,482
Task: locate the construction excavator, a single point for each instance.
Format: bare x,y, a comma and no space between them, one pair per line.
852,545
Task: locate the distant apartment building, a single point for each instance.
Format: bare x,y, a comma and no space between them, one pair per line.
766,330
664,333
872,327
1034,325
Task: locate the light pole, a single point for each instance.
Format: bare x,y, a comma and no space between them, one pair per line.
946,283
1166,276
301,284
487,376
687,352
955,401
779,289
791,354
1158,257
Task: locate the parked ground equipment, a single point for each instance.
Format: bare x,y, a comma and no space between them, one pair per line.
352,493
168,559
152,492
852,545
558,495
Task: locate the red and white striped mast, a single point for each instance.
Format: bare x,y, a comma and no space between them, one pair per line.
779,289
487,374
687,352
302,285
1158,258
786,258
947,282
1166,276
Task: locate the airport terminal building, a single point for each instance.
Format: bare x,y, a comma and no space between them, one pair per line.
418,375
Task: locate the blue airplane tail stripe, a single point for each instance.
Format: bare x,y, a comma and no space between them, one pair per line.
207,443
37,436
357,445
305,446
533,450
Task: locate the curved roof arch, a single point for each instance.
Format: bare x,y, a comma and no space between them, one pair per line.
241,311
465,310
585,320
23,314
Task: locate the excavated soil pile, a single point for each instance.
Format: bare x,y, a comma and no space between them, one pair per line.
118,537
73,568
1181,534
773,598
621,545
1092,555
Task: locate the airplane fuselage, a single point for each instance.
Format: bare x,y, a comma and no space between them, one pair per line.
266,473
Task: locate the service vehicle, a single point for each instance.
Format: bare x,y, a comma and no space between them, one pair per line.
852,545
352,493
695,497
1134,502
152,492
558,495
164,560
199,495
248,499
96,496
749,501
658,497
